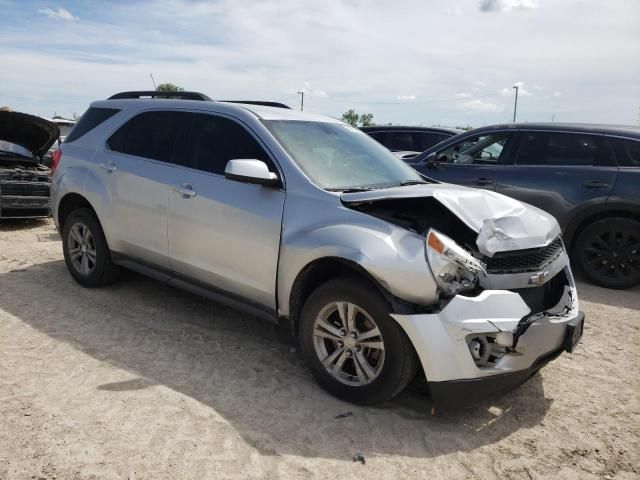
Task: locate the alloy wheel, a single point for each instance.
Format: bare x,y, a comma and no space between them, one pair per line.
613,254
82,248
349,343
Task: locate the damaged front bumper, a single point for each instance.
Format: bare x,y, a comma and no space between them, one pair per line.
519,341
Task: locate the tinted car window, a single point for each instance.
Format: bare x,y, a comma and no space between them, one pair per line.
90,119
428,140
402,141
379,136
483,149
216,140
627,152
149,135
557,149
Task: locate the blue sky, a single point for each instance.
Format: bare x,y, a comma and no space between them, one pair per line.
407,61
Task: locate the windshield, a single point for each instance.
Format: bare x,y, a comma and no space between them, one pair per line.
340,157
13,149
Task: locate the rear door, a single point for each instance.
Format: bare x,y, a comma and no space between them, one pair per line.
475,161
559,171
137,170
225,233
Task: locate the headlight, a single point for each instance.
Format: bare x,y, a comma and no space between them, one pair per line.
453,267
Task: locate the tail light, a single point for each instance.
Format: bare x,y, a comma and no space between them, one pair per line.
55,159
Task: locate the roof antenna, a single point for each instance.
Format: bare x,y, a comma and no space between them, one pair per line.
154,82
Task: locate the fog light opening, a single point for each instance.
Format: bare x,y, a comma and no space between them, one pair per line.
487,349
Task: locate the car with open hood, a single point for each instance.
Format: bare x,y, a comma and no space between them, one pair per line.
380,274
24,180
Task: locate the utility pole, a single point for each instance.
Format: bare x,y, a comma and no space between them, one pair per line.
301,93
153,81
515,104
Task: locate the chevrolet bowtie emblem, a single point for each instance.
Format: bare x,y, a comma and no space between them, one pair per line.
539,278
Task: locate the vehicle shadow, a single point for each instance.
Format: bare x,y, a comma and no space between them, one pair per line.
13,224
245,370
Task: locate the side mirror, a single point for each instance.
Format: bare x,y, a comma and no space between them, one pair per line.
251,171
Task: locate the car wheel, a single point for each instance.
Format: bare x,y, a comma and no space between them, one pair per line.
608,252
355,349
85,250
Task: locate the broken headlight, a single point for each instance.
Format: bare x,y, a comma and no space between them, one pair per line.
453,267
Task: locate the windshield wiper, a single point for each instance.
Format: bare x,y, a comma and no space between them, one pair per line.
407,183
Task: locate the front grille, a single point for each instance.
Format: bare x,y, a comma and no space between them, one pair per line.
24,189
529,260
544,297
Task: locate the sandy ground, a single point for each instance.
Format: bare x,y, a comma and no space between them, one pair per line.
143,381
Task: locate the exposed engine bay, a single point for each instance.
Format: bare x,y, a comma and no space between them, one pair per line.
24,188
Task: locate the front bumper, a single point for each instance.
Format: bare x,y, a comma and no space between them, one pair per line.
24,206
441,341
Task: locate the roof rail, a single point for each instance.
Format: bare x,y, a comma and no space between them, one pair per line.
157,94
258,102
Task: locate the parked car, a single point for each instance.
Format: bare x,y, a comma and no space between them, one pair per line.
409,140
65,125
587,176
24,180
304,220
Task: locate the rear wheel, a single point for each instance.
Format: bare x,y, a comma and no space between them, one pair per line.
355,349
608,252
85,250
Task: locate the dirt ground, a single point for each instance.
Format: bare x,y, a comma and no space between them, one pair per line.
142,381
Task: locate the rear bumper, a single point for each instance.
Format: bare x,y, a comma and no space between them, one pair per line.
442,341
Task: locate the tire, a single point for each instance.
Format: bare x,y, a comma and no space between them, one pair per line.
388,370
83,241
608,252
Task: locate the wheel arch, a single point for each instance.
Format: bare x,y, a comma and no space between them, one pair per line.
69,203
321,270
595,213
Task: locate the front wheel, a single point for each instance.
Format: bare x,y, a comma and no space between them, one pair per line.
608,252
355,350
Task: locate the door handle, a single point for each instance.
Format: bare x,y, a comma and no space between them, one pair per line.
595,184
185,190
482,181
109,167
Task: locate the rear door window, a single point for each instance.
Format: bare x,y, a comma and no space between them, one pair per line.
149,135
215,140
540,148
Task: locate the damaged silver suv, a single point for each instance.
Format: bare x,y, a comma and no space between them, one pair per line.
381,274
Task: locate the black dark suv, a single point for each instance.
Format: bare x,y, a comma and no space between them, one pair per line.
587,176
409,140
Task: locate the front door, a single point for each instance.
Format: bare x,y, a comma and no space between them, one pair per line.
224,233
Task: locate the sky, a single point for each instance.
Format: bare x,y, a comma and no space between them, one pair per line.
415,62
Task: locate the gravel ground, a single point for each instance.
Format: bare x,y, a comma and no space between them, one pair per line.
142,381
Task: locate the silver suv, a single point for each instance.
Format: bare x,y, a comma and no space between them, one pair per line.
381,274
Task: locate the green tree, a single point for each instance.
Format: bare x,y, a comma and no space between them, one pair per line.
169,87
353,118
366,119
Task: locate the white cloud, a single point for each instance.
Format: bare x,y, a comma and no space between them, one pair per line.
406,97
506,5
480,83
463,95
454,12
308,89
556,94
506,91
59,14
480,106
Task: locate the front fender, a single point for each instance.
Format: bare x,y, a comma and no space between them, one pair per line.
394,257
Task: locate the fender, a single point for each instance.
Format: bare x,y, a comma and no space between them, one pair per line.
70,180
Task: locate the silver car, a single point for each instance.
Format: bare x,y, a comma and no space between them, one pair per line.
381,274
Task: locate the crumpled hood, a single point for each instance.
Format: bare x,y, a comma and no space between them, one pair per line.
33,133
502,223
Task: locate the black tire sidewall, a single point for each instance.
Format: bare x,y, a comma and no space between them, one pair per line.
103,259
398,350
598,228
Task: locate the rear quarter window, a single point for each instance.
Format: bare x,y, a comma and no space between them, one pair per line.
93,117
627,152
